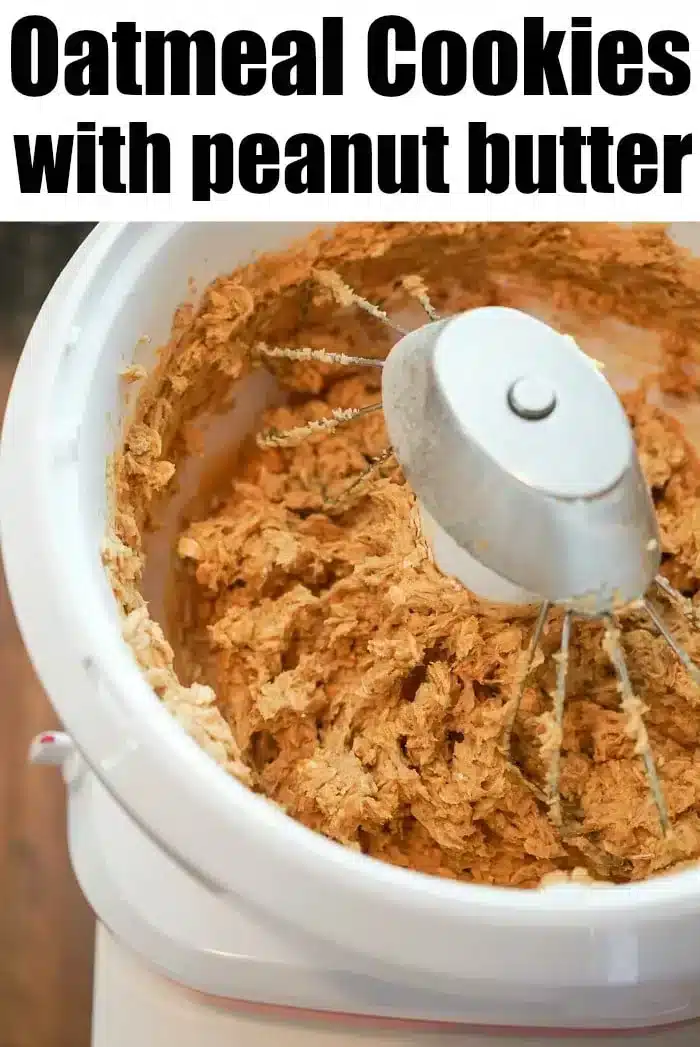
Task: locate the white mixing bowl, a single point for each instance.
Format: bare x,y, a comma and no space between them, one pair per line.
628,952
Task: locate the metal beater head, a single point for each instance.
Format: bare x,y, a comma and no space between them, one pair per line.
521,453
520,450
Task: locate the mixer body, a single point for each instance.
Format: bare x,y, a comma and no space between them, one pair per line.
209,884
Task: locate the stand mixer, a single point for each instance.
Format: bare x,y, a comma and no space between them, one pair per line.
219,917
526,470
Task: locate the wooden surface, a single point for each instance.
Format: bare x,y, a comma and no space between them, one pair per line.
46,928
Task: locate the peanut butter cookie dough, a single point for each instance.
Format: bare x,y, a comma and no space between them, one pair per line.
313,647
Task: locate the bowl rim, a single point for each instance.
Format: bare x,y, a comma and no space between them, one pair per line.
145,759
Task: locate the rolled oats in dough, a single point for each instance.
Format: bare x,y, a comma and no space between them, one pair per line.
313,647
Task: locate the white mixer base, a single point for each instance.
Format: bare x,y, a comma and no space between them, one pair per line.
134,1006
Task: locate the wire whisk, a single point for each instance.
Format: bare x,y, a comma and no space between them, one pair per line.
446,451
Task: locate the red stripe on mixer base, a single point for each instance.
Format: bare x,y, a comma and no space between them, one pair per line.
378,1022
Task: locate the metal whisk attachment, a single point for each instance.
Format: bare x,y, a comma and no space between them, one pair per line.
523,460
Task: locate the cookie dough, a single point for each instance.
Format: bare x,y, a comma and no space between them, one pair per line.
312,645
